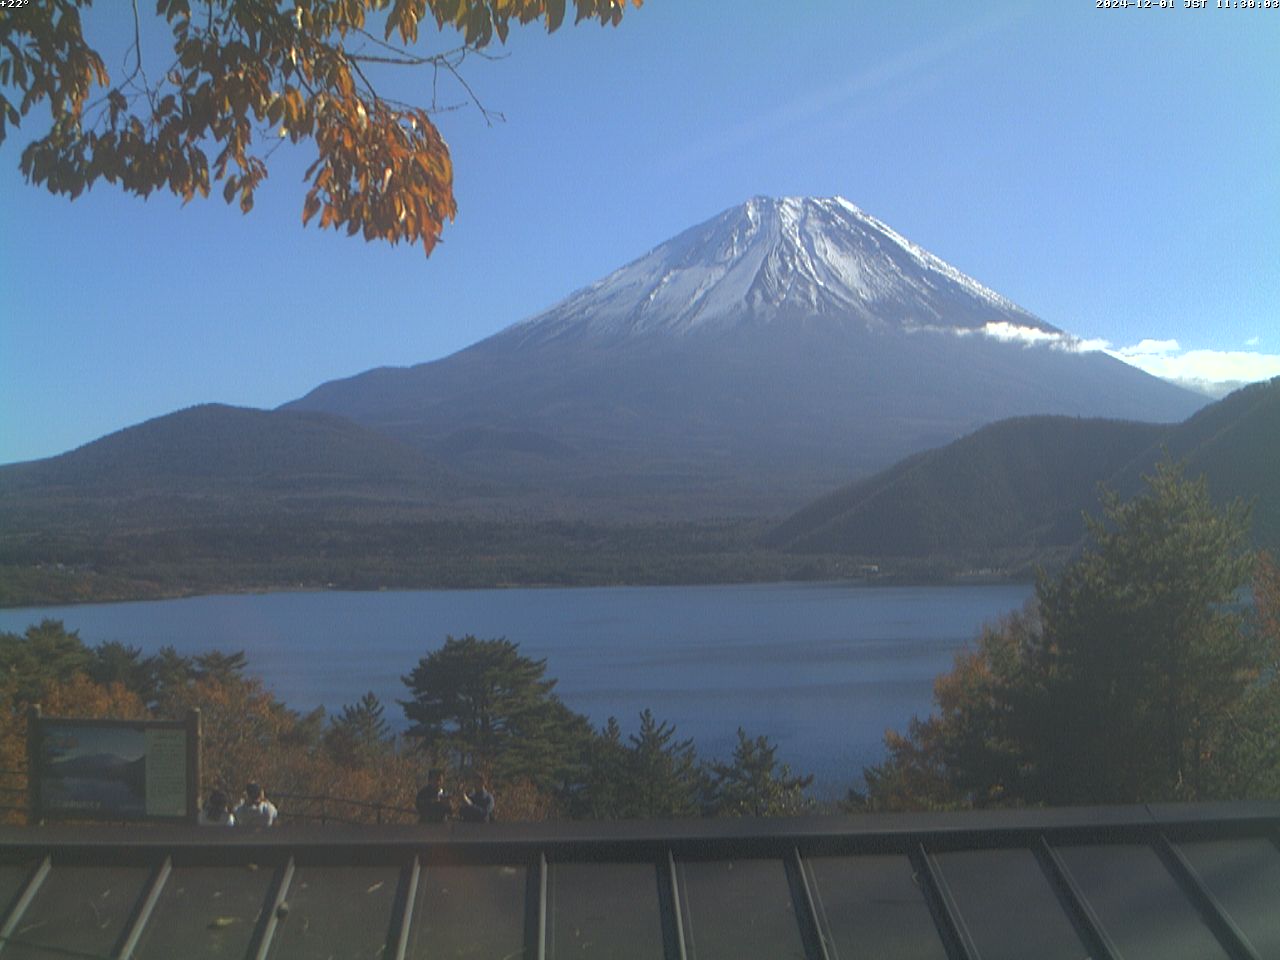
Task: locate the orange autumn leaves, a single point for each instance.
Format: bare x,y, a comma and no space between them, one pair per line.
244,74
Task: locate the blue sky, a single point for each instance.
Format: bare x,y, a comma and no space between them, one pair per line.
1116,172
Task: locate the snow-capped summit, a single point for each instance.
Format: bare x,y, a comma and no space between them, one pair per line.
746,366
770,259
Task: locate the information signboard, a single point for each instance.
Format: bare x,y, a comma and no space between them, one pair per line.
114,769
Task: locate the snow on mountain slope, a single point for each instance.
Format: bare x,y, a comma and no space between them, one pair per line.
763,357
770,259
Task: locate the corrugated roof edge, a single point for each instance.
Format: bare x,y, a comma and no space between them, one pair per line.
978,828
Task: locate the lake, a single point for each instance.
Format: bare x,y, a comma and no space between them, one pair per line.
822,669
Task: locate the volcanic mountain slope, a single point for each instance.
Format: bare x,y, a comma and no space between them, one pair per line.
216,457
744,367
1025,484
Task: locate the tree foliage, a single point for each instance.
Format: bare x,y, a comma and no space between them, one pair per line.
1249,753
1133,677
755,784
651,773
360,732
45,653
663,778
1148,653
243,74
481,705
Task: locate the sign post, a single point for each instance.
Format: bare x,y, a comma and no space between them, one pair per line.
113,769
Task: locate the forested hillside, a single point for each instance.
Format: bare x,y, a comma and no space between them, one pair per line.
1015,484
1020,487
217,499
206,447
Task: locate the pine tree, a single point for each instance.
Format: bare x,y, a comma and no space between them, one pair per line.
361,733
754,784
480,704
45,653
663,777
603,789
223,667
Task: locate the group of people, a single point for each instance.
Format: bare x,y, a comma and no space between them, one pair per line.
253,810
435,804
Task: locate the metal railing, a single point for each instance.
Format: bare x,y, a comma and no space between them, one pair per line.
325,809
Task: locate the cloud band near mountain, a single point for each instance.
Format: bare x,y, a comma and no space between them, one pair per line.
1212,372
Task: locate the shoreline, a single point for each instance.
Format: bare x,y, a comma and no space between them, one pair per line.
961,579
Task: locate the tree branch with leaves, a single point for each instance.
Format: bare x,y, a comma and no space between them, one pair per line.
245,75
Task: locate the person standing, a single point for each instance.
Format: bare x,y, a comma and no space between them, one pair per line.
432,803
256,810
216,811
478,803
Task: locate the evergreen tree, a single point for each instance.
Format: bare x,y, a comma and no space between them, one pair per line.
480,704
45,653
171,676
754,784
1132,677
603,788
361,732
662,776
115,662
1143,651
223,667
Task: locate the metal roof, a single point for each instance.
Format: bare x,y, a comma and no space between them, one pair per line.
1163,882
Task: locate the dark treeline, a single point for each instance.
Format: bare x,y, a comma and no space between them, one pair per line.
142,555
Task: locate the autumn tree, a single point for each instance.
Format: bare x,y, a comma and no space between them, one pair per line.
80,696
240,76
1248,754
49,665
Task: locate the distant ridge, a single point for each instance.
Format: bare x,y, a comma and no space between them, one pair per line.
1024,484
214,444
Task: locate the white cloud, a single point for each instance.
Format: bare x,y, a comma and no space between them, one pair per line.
1091,346
1215,372
1212,372
1147,348
1012,333
1253,341
1007,332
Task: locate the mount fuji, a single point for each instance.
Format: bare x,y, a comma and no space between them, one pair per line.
770,354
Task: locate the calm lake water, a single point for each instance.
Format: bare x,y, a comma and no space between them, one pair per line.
823,669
